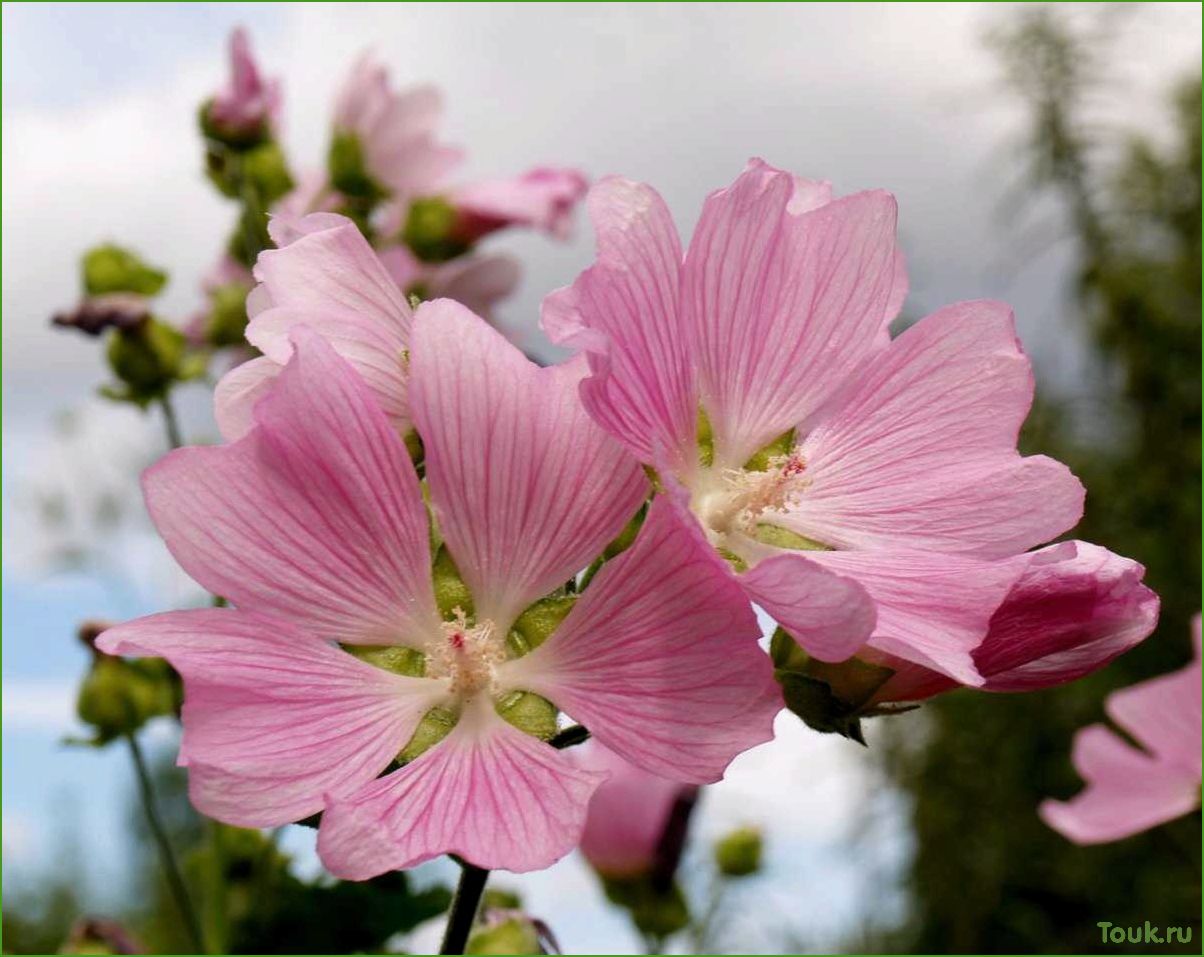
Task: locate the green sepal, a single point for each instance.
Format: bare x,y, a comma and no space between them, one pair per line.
706,439
395,658
533,627
739,565
515,935
530,713
780,537
227,323
450,591
760,459
110,268
625,538
435,725
147,360
118,696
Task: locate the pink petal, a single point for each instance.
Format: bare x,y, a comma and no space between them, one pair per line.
477,282
628,813
659,657
273,717
1127,792
238,392
1163,714
623,311
1075,608
922,452
315,515
785,306
830,615
933,609
497,797
527,490
374,349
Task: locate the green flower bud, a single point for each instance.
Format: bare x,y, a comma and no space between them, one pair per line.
117,696
514,934
431,230
265,170
738,853
348,173
655,909
227,324
111,268
148,360
529,713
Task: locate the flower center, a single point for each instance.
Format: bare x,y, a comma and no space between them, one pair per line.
737,501
468,655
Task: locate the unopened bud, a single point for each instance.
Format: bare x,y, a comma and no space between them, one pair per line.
509,932
110,268
147,360
348,172
95,314
738,853
433,230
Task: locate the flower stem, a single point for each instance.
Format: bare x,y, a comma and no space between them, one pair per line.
464,908
171,422
175,880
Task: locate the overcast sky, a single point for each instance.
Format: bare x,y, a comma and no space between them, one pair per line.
99,143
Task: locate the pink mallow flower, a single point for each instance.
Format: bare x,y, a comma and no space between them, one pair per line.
637,820
395,131
314,526
862,488
1131,789
479,282
249,105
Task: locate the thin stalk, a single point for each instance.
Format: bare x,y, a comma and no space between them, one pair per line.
171,868
171,422
464,908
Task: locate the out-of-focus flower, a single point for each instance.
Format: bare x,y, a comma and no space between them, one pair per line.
118,697
476,281
114,310
222,322
100,935
385,142
863,489
543,198
636,825
247,109
511,931
1131,789
314,526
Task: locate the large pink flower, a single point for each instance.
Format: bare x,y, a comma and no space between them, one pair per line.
396,133
313,525
1075,607
864,487
628,829
249,105
1131,789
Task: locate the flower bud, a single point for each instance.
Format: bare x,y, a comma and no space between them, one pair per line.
148,360
738,853
115,310
226,324
110,268
117,696
244,112
348,173
433,231
510,931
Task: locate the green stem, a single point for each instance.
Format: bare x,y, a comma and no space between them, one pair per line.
171,422
464,908
171,868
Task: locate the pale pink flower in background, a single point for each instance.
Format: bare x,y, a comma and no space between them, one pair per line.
396,131
313,525
628,830
1075,607
249,104
479,282
543,198
311,194
900,486
1131,789
324,275
227,271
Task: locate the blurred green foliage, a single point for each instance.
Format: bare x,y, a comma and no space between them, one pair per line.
987,875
